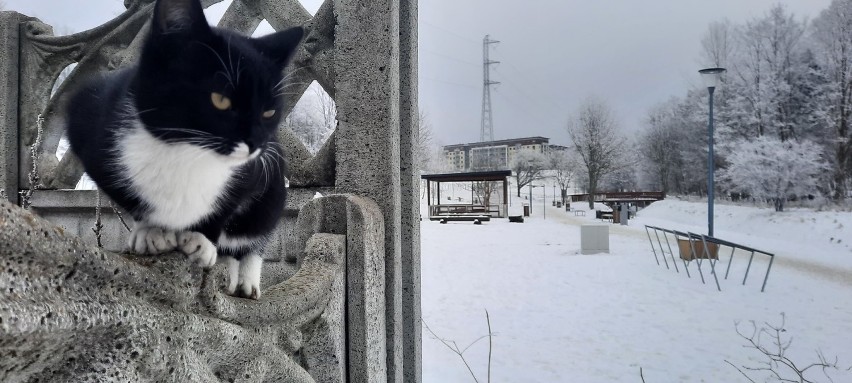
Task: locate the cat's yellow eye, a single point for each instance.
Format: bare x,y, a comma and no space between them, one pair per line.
269,113
220,101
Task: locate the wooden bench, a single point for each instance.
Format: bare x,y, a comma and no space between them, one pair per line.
580,213
461,218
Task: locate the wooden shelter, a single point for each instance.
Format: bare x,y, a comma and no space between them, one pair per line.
482,186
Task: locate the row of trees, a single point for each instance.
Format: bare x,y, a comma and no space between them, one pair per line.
781,113
782,121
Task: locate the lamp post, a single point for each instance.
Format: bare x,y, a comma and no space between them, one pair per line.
543,200
530,187
711,78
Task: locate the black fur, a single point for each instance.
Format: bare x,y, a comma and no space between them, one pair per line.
169,91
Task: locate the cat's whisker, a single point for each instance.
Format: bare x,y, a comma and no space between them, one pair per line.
221,61
280,87
275,155
292,73
231,61
185,130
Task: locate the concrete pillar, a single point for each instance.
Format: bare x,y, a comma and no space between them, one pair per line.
410,187
367,63
9,64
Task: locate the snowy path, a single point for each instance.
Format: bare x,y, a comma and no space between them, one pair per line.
563,317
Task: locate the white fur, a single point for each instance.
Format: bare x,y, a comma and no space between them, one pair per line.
180,182
233,273
198,248
151,240
239,243
249,275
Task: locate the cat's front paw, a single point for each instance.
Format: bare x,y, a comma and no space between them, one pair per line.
198,248
151,240
245,276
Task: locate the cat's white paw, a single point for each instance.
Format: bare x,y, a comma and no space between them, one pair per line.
248,284
233,273
198,248
151,240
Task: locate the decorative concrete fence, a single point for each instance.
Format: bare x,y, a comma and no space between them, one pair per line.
341,287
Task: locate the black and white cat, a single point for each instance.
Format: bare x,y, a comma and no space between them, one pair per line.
185,140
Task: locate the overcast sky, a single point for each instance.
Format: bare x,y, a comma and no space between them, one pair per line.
553,54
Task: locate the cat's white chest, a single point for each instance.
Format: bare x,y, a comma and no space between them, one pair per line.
181,183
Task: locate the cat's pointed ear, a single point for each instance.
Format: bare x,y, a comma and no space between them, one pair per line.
174,16
280,47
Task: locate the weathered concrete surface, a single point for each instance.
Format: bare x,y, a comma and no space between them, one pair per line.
74,211
70,312
368,151
9,57
361,220
409,124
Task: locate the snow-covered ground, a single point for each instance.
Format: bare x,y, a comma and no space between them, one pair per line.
564,317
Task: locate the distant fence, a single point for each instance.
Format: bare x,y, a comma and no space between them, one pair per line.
640,198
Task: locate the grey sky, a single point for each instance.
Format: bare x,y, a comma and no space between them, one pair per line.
553,54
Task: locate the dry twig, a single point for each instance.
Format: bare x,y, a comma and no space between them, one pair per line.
454,347
34,178
777,364
98,225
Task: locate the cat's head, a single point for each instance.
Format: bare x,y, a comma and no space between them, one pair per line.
211,87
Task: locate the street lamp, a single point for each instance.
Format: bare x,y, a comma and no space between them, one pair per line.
554,193
711,78
543,200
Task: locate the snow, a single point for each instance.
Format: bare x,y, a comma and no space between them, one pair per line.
564,317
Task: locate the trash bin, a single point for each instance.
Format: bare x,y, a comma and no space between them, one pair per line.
526,210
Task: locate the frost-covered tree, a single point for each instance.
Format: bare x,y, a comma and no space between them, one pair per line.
597,141
832,33
769,169
718,43
313,119
763,69
528,166
563,167
424,147
658,146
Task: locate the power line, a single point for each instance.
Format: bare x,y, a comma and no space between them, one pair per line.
449,82
524,110
448,57
442,29
557,108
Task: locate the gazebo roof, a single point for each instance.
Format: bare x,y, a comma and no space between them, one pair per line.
493,175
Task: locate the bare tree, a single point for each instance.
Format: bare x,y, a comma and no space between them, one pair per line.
327,109
658,144
424,147
718,43
563,170
597,141
314,118
528,167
